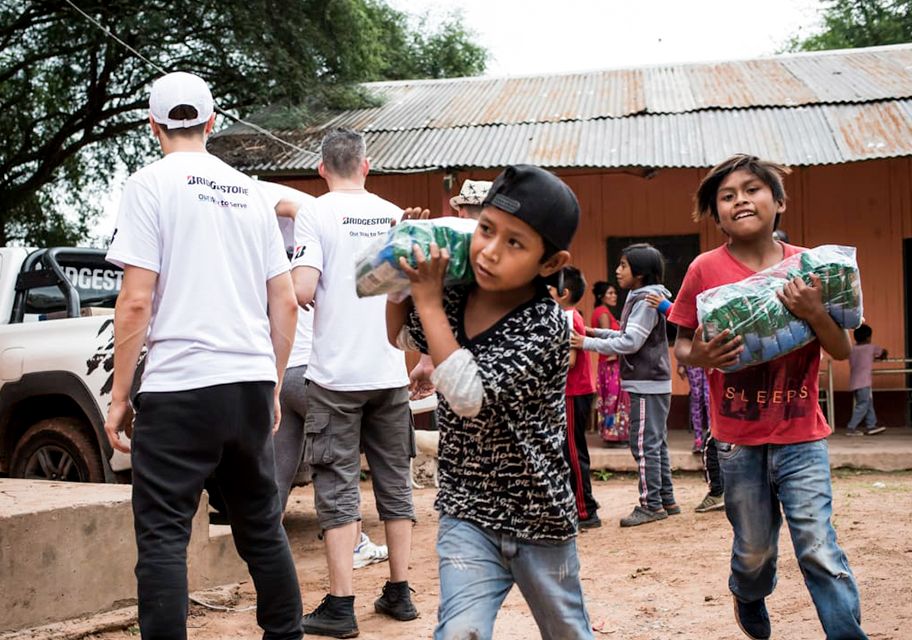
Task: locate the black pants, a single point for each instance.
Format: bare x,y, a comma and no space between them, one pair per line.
576,451
179,439
711,469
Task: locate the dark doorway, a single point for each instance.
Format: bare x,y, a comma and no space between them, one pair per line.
679,252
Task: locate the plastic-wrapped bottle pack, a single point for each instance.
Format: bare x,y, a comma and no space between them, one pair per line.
751,309
377,270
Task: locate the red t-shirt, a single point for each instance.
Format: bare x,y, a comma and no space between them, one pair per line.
613,324
579,378
770,403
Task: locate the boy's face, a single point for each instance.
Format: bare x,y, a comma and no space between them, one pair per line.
746,206
506,252
624,276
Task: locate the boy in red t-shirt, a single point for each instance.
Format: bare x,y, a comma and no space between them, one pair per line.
580,392
768,425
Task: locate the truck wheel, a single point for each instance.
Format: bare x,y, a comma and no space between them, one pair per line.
57,449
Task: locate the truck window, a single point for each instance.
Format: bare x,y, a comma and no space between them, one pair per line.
97,282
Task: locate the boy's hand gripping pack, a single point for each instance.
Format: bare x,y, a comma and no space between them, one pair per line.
751,309
377,270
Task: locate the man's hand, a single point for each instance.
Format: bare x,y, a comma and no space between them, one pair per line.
277,419
682,372
805,302
720,352
413,213
590,332
427,278
420,385
576,340
120,418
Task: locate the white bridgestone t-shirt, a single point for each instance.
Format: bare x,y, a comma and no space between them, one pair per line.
351,351
213,239
300,351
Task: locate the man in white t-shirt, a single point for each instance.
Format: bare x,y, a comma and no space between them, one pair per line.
203,260
289,439
357,393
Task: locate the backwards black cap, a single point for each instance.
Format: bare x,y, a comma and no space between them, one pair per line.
540,199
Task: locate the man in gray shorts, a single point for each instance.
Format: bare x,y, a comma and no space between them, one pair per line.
357,393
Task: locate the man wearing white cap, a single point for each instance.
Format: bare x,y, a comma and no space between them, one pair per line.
203,260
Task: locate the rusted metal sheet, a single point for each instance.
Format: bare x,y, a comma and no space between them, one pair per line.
809,135
802,109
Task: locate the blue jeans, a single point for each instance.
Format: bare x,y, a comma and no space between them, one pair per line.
863,410
479,567
760,479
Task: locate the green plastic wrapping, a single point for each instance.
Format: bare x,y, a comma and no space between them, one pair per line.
751,308
377,270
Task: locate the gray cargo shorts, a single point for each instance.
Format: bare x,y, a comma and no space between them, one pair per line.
338,425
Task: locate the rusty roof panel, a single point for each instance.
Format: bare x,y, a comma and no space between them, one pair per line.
797,136
858,75
815,108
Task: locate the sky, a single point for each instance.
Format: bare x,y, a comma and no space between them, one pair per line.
552,36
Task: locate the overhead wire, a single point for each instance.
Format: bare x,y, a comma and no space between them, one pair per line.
160,69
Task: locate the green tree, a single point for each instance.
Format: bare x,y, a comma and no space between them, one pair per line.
74,101
849,24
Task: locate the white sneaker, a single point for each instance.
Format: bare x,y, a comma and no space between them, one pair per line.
367,553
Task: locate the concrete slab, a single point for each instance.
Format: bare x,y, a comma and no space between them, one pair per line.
67,550
888,451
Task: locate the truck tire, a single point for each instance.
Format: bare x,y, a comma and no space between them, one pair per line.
57,449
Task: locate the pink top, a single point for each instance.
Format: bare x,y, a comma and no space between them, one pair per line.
861,361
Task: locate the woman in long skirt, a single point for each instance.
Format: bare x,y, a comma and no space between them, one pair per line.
612,403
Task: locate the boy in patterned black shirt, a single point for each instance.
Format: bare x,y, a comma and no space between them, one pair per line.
501,348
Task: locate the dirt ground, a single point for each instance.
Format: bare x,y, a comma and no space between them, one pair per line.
664,580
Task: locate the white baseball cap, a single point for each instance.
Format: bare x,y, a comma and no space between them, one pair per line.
175,89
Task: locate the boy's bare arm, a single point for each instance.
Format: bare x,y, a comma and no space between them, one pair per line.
806,302
427,295
719,353
396,315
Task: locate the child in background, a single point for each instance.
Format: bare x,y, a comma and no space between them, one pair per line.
642,345
501,349
770,432
580,391
860,362
613,403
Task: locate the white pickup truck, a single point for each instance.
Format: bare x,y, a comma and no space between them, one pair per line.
56,360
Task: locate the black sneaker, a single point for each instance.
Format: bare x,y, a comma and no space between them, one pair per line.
592,522
753,619
672,509
639,516
334,617
396,601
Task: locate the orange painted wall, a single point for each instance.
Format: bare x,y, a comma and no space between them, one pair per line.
866,204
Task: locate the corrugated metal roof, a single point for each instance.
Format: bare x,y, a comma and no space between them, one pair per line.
828,134
801,109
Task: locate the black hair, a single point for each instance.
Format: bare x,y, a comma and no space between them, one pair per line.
770,173
183,112
863,334
575,283
599,289
342,152
646,261
781,236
